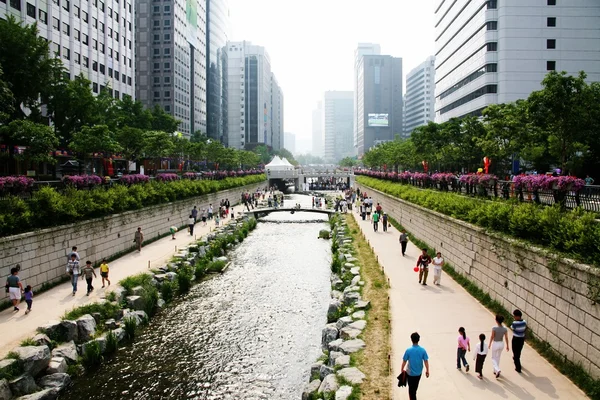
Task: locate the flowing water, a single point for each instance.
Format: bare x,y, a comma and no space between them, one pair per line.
251,333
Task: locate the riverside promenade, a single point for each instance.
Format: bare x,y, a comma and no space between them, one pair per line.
52,304
436,312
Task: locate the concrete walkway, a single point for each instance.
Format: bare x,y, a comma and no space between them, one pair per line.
52,304
436,312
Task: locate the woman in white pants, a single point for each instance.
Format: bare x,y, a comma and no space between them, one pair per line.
499,333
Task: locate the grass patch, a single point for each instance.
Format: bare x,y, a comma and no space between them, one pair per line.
92,356
107,310
574,371
28,342
373,360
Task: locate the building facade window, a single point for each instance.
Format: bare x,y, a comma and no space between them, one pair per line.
30,10
551,2
551,22
551,44
43,17
550,65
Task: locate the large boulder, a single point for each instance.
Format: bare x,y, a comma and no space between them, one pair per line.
342,361
351,298
8,365
86,327
334,308
352,375
22,385
360,325
120,334
6,394
110,324
41,339
329,334
33,359
69,331
57,365
358,315
310,388
352,346
343,393
138,291
332,357
335,345
362,305
329,384
120,293
315,368
135,302
68,351
342,322
46,394
324,371
52,329
348,333
57,381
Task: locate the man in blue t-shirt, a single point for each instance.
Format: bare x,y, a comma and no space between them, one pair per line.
416,356
519,326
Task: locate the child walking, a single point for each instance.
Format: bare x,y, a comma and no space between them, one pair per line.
28,298
217,220
480,355
464,345
88,273
104,272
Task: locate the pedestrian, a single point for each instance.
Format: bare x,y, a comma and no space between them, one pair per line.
195,213
217,220
375,221
423,264
191,222
378,208
88,273
464,345
210,211
173,230
480,355
438,263
73,251
363,210
104,271
499,333
369,208
138,238
416,356
403,241
28,298
233,213
74,270
203,217
384,220
14,287
519,326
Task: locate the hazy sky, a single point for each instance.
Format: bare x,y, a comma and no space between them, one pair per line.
311,44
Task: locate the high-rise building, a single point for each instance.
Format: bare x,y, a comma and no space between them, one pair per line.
277,138
419,100
289,142
379,101
317,131
171,59
338,126
94,38
251,88
363,49
492,51
217,34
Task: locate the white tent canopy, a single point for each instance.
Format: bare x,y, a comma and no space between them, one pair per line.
278,164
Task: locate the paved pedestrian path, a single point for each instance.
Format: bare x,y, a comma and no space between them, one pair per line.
52,304
436,312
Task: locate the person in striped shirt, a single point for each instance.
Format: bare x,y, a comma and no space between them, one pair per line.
519,326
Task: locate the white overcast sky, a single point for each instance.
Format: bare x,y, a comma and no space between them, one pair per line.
311,44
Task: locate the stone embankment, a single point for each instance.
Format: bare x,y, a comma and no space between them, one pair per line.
334,372
42,366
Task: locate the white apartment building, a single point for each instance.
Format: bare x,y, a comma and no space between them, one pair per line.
94,38
363,49
252,90
490,51
419,100
338,127
317,130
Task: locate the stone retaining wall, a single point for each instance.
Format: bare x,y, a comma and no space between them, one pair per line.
553,294
43,254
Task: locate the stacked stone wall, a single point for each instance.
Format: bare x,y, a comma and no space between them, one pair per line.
554,294
42,254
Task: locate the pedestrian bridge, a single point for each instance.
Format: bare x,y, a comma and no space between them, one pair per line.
261,212
301,177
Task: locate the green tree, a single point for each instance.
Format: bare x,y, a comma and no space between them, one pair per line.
94,139
28,68
264,154
7,100
348,162
133,142
132,114
561,110
161,121
248,159
158,144
40,140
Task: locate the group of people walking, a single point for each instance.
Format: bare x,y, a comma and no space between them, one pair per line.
75,270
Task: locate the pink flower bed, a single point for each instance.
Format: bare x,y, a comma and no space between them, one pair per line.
167,177
21,183
548,182
81,181
134,178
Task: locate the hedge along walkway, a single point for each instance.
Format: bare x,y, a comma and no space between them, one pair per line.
52,304
373,360
437,313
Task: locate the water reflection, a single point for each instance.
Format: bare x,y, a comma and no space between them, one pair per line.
251,333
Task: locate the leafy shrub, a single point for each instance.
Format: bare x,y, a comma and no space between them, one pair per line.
28,342
48,207
336,264
92,356
107,310
184,280
150,297
112,343
168,291
216,266
575,232
130,282
130,327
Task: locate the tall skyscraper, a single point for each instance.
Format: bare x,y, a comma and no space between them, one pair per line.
338,125
252,90
363,49
419,100
217,34
171,59
317,131
277,138
94,38
289,142
379,101
492,51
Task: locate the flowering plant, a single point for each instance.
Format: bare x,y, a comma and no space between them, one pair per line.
569,183
21,183
421,176
487,179
166,177
189,175
134,178
81,181
440,177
